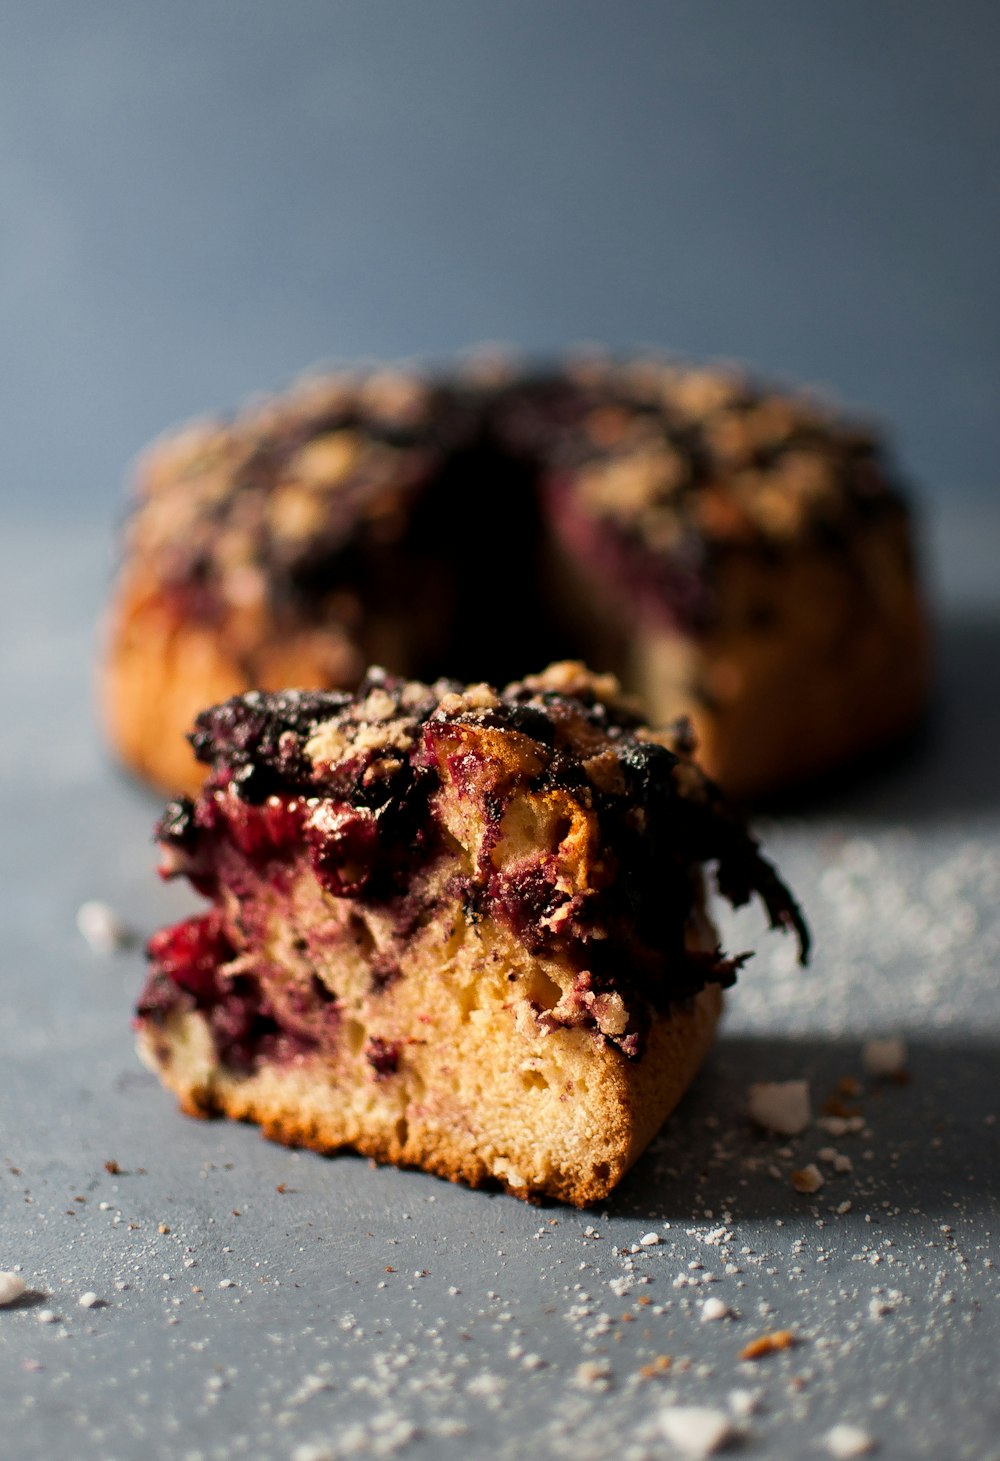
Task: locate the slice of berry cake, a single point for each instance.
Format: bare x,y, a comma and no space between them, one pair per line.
449,928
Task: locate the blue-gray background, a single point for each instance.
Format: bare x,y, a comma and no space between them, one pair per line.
198,197
201,198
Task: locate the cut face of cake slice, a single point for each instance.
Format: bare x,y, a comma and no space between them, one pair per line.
449,928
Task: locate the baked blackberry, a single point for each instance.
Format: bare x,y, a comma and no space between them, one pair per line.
734,553
449,927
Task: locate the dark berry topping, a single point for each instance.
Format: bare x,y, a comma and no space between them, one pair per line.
564,819
260,738
176,827
344,844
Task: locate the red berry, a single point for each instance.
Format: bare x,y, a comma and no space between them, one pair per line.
189,953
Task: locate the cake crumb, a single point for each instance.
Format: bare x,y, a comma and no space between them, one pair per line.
695,1429
658,1366
12,1286
89,1300
100,925
592,1375
885,1058
781,1106
766,1344
714,1309
845,1441
807,1179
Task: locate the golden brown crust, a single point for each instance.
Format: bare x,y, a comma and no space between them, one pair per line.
763,719
303,1105
160,669
812,664
839,669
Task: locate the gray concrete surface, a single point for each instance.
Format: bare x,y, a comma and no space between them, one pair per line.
265,1304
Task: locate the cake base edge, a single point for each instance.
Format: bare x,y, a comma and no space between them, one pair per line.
300,1104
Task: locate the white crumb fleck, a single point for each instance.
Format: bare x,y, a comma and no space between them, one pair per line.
845,1441
885,1057
649,1240
100,925
12,1286
89,1300
450,1427
714,1309
47,1316
592,1375
695,1429
310,1386
227,1283
744,1403
807,1179
781,1106
487,1386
